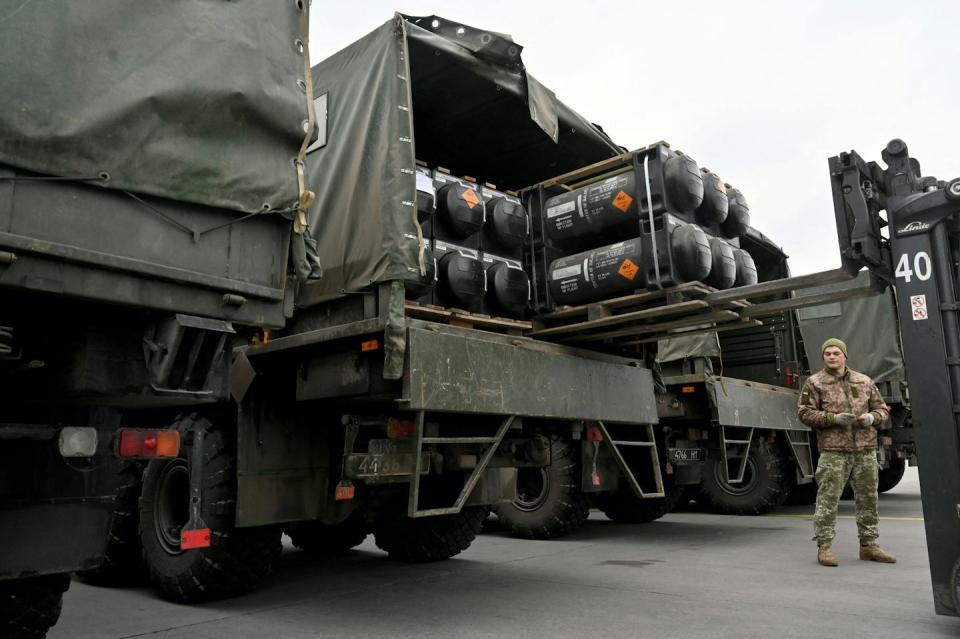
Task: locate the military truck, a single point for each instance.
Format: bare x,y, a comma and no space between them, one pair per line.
380,407
146,205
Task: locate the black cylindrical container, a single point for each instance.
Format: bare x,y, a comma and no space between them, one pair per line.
508,289
746,268
723,272
459,210
600,210
507,222
691,252
601,273
609,209
415,289
683,182
738,218
460,281
715,205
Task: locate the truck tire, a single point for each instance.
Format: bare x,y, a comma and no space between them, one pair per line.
427,539
624,507
765,486
888,478
238,559
123,560
329,540
30,607
549,501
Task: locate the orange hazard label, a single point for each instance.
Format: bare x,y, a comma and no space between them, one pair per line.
623,202
470,197
628,269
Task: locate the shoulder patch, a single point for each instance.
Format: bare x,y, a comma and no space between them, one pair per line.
805,398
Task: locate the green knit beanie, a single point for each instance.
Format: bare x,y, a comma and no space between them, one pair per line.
833,341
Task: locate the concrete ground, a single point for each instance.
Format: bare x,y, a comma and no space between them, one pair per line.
688,575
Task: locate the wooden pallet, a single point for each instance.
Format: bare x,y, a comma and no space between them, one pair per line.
643,317
462,318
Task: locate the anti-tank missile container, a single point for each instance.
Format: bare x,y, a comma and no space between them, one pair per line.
684,255
610,208
461,279
507,226
675,252
508,287
715,205
738,217
723,270
601,273
746,268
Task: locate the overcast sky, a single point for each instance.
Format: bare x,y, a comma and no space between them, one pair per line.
762,93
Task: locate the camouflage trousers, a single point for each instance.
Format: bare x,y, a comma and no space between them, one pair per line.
834,470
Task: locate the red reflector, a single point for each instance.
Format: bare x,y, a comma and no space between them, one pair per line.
369,345
138,442
195,538
400,428
344,493
594,434
688,389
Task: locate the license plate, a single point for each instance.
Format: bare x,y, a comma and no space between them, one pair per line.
361,465
686,454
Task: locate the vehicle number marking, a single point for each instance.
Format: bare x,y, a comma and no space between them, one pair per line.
921,267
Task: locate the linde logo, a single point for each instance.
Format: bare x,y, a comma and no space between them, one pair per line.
913,227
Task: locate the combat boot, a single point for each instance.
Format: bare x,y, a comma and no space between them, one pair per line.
825,556
873,552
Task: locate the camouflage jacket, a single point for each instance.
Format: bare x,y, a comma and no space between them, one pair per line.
825,394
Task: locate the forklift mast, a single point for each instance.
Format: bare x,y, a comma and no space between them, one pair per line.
905,228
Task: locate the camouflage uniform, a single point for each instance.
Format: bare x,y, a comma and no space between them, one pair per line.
847,453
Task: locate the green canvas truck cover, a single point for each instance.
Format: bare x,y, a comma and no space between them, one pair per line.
192,100
428,89
868,325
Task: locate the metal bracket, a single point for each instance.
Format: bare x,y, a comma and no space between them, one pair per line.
724,442
802,452
651,445
492,444
196,533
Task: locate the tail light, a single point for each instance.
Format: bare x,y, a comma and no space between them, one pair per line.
141,442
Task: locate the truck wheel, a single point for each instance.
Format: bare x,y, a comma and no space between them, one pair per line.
624,507
30,607
123,561
765,485
549,501
430,538
889,477
329,540
238,559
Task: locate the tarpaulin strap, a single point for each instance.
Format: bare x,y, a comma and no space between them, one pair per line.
653,231
306,195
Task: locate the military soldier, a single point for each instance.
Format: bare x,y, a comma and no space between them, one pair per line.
845,409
